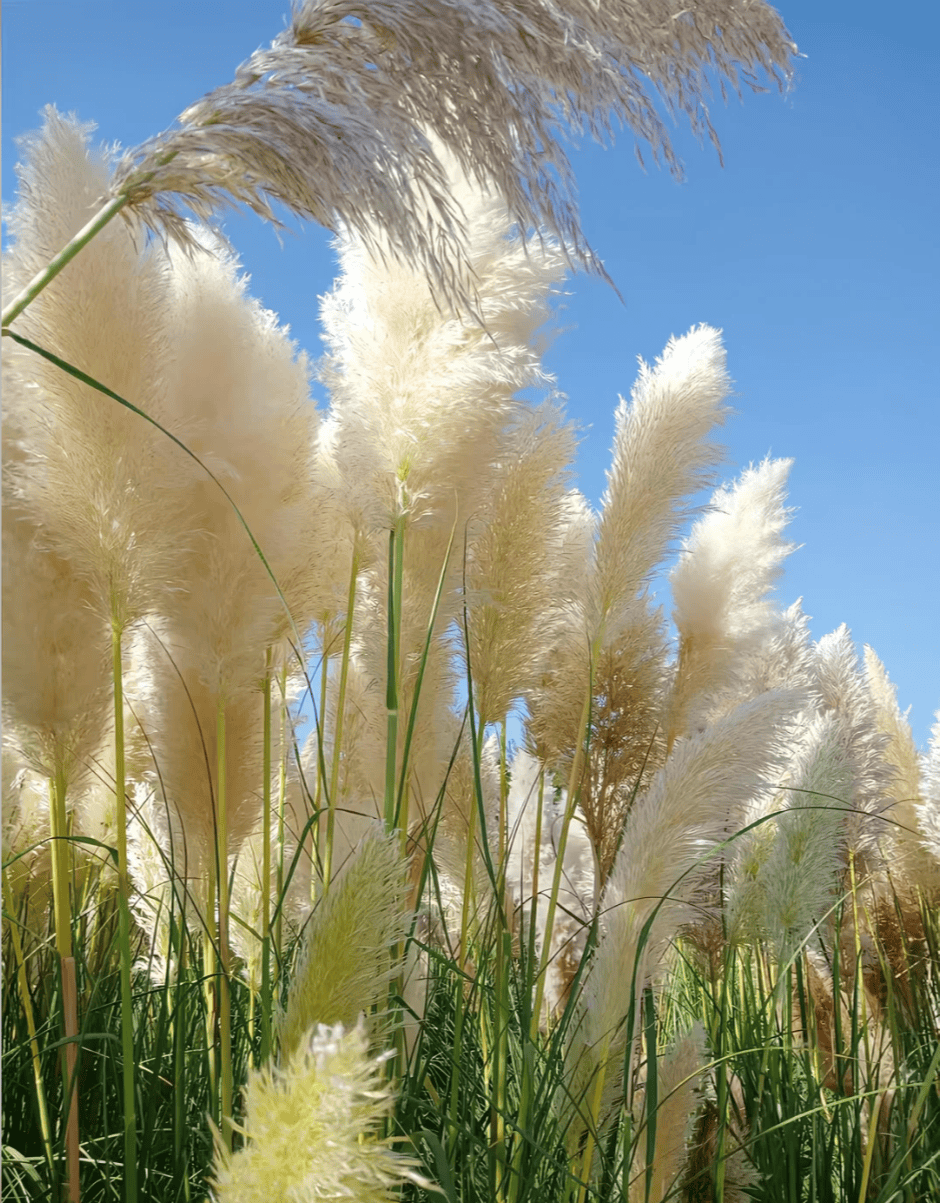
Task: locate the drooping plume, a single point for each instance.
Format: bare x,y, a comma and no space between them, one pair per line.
498,85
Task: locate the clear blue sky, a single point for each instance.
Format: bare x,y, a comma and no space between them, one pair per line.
815,249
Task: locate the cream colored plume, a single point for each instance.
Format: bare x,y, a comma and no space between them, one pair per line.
535,811
679,1074
661,456
420,398
241,395
843,692
348,955
105,487
312,1127
722,612
917,866
928,810
694,804
510,566
801,878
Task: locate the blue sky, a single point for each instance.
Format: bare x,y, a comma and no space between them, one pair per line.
814,248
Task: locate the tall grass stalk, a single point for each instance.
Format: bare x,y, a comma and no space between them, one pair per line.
223,980
44,278
124,919
333,795
26,1002
396,552
267,997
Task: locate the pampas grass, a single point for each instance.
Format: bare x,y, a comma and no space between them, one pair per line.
654,949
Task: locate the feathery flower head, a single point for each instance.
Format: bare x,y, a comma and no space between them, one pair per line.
311,1128
347,959
498,84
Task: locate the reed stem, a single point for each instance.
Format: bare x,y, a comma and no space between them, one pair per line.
63,259
124,922
224,985
340,715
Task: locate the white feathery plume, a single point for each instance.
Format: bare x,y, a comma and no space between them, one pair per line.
722,612
843,691
800,879
509,571
661,455
161,888
928,809
25,827
56,665
695,802
555,699
233,372
498,84
783,660
917,867
312,1127
106,488
660,458
420,398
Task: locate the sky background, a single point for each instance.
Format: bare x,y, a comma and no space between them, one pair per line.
814,249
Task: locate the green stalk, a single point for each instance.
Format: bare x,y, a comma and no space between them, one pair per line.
210,970
413,712
340,715
225,998
63,259
281,806
60,864
23,982
574,790
179,1057
266,1000
317,836
395,568
124,922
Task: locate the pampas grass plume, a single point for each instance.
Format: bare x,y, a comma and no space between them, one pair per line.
694,803
346,961
298,123
312,1127
729,564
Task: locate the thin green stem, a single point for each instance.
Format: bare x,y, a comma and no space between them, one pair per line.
320,835
281,808
266,996
23,982
395,570
574,791
63,259
225,998
124,922
340,716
